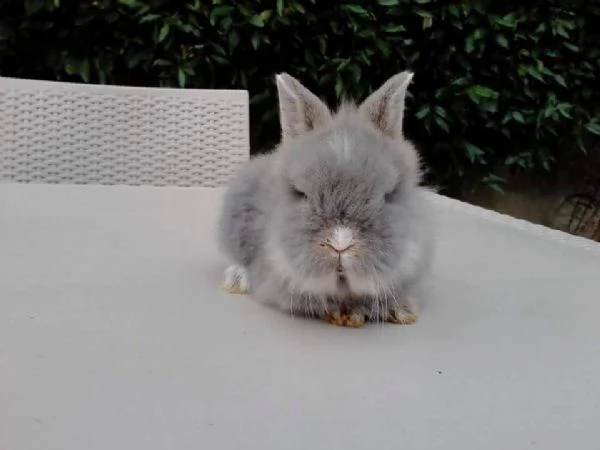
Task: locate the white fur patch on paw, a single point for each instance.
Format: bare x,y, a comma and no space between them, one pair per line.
236,280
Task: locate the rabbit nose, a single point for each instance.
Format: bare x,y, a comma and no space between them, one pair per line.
341,239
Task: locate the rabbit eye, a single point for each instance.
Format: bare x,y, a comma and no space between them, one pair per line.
298,194
391,195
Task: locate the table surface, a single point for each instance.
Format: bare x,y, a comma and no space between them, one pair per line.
114,335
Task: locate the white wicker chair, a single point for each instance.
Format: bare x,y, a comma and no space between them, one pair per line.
52,132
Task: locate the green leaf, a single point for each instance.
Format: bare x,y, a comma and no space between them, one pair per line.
423,111
560,80
593,127
546,164
485,92
84,71
535,74
495,178
356,9
470,43
195,7
422,13
280,7
473,152
384,47
219,49
518,116
494,182
71,68
388,2
234,39
164,32
149,18
477,93
255,40
181,77
511,160
454,10
571,47
257,21
226,24
322,45
506,21
441,112
394,28
564,110
134,60
343,64
462,81
266,15
220,11
502,41
161,63
220,59
339,87
489,105
79,67
442,123
128,3
496,187
562,32
298,7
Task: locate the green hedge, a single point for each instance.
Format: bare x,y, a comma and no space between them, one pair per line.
499,86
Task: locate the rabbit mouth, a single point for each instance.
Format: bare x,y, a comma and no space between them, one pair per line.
350,279
342,277
341,265
354,284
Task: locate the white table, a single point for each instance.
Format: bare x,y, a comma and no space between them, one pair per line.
114,335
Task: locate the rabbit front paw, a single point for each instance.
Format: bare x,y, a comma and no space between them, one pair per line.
401,315
352,318
236,280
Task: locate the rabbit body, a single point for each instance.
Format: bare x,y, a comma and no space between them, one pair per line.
333,223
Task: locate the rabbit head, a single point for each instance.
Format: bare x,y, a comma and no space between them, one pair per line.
344,192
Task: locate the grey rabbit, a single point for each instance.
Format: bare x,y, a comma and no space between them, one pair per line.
333,223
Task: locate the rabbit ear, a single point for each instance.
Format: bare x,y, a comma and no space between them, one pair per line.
300,110
385,107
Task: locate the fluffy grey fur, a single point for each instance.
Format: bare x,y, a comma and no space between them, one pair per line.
333,223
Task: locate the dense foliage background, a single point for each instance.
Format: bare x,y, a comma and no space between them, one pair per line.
500,86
